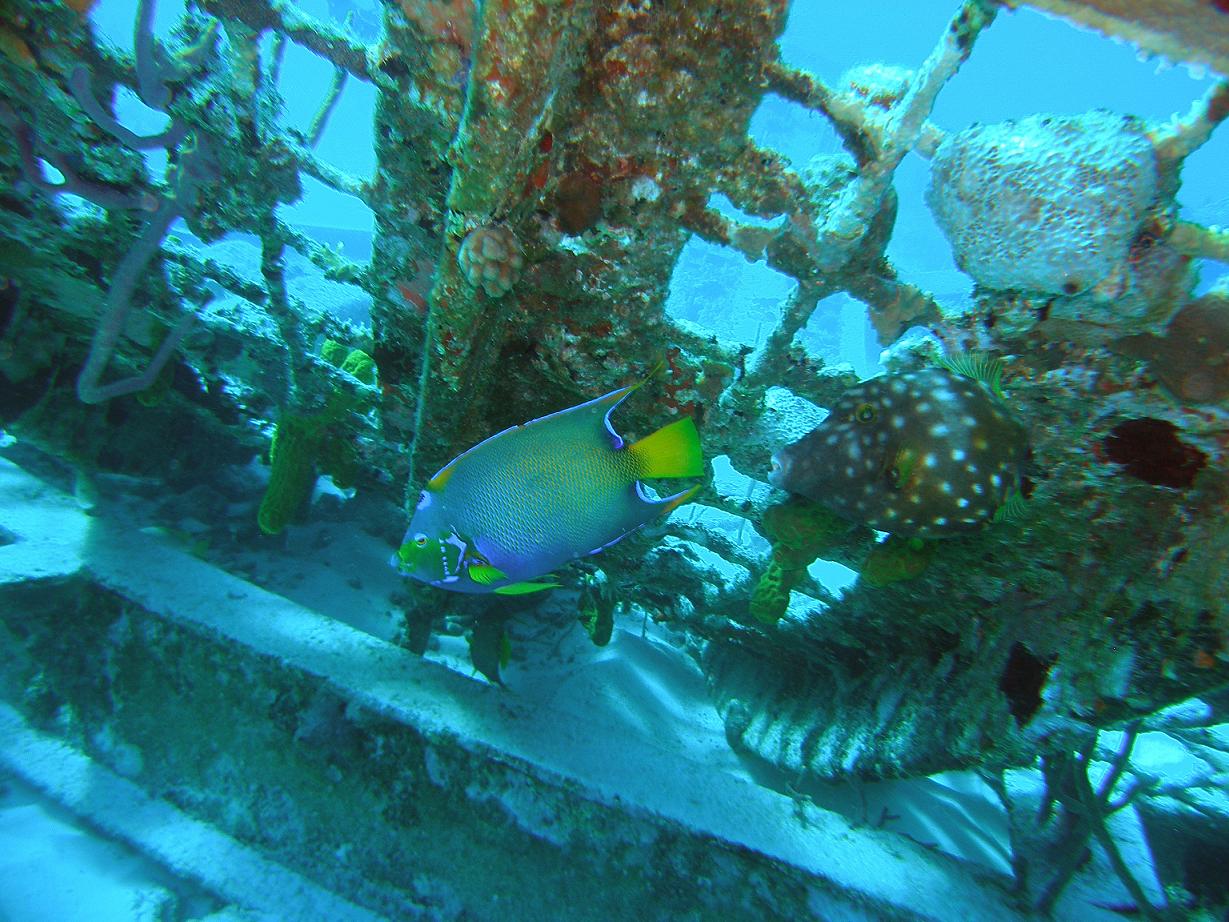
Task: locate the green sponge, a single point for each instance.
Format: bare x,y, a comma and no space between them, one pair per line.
292,455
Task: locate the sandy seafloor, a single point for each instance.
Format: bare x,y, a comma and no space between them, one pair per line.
642,685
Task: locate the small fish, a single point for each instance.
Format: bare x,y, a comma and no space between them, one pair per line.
926,453
533,497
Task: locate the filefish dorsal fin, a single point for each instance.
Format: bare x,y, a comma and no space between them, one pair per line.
986,369
1012,510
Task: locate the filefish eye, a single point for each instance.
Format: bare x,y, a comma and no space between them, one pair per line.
894,476
865,413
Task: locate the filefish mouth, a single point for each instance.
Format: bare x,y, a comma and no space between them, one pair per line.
778,471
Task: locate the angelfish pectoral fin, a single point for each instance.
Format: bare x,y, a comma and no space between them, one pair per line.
525,588
486,573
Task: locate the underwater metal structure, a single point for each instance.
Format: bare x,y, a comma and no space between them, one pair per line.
540,167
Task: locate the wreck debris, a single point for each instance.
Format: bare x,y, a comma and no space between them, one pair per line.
596,155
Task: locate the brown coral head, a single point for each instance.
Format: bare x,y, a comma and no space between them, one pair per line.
1150,449
491,259
1200,336
578,202
1022,680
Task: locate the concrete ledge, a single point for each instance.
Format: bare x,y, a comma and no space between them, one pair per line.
187,847
41,529
413,790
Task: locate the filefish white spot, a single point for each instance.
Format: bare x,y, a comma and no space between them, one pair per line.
898,422
930,460
946,486
957,454
962,503
939,429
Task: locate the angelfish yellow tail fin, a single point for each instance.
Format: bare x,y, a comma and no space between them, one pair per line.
671,451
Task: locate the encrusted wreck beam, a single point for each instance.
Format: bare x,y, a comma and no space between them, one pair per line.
589,155
1194,240
851,216
329,41
1184,134
526,54
1195,31
808,90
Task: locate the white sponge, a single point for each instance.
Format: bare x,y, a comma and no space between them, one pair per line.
1045,203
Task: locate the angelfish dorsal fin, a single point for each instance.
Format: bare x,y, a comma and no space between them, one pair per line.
987,369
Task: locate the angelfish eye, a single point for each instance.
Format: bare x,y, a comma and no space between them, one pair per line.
420,540
865,412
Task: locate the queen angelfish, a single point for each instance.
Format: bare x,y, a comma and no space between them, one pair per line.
921,453
527,500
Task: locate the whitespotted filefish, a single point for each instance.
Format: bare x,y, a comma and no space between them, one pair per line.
919,453
527,500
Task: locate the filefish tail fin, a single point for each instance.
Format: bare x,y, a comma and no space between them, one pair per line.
670,503
671,451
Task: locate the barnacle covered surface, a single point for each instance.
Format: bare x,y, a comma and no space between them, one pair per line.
595,149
